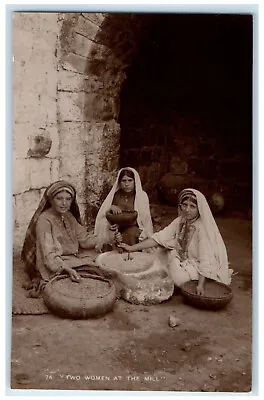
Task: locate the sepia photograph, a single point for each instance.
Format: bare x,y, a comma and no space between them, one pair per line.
132,186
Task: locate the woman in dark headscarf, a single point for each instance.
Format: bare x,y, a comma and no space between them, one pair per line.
55,236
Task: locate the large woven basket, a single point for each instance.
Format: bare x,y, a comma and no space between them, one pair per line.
92,297
126,218
217,295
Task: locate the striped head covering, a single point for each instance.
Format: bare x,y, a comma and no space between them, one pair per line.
28,254
187,193
213,234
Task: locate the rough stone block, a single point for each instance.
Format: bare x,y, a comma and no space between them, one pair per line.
100,107
86,28
82,45
69,81
75,63
55,141
71,106
73,139
55,170
25,206
21,135
72,166
21,175
72,82
96,18
77,178
40,172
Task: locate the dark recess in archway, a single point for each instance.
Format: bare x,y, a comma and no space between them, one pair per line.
191,83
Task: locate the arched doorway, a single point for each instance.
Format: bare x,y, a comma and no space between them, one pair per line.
186,105
159,92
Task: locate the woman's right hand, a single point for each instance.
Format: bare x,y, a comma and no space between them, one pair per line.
115,209
125,246
73,274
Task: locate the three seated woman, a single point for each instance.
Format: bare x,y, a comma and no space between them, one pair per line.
191,246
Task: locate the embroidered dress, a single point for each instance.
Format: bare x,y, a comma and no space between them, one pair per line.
193,248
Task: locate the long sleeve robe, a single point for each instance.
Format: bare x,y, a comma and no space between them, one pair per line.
60,242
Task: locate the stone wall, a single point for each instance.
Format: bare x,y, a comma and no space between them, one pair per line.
35,130
68,70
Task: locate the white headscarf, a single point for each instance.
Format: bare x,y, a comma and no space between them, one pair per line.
141,205
214,236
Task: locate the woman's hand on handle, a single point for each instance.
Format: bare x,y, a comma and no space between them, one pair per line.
125,247
115,209
145,244
118,237
113,227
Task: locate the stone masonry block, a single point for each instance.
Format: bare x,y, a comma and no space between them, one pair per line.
73,139
21,135
25,206
55,170
55,141
72,166
75,63
21,175
81,45
69,81
40,172
71,106
96,18
72,82
86,28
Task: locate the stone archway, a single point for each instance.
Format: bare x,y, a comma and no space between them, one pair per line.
94,52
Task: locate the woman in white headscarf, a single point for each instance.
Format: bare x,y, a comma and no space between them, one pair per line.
126,195
191,244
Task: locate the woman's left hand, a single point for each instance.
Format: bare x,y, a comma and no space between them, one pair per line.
113,228
200,290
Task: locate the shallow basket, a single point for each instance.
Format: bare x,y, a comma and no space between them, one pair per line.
217,295
92,297
125,218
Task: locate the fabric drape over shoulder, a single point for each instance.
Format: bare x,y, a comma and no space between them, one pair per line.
141,205
28,254
210,248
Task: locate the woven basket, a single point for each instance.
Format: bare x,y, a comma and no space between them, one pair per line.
93,296
126,218
217,295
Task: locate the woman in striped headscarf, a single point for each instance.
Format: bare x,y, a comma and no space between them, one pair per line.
194,248
55,236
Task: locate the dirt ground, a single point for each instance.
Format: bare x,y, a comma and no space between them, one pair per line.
133,348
